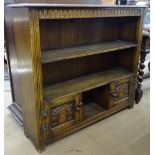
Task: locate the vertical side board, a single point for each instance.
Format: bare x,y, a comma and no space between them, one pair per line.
137,53
136,56
126,34
15,107
25,70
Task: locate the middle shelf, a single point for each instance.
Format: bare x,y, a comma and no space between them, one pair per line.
84,83
87,50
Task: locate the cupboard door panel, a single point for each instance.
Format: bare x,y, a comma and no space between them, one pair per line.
62,113
120,91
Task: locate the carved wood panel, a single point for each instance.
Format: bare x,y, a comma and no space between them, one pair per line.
119,91
62,114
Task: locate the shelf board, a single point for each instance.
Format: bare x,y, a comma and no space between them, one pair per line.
84,83
91,109
81,51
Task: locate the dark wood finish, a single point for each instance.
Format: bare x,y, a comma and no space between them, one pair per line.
100,97
85,66
68,53
15,108
71,65
84,83
86,122
122,91
74,68
18,24
145,49
74,32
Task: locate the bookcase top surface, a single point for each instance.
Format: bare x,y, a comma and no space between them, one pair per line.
46,5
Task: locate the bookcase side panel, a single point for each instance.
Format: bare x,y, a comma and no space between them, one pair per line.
18,20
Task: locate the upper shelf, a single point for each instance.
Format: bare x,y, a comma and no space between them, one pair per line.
81,51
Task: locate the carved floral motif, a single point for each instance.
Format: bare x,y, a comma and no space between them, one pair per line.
62,114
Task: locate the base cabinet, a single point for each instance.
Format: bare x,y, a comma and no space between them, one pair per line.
66,113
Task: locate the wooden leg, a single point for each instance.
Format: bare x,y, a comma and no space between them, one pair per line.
131,106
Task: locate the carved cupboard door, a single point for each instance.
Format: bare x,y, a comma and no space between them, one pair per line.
121,91
61,114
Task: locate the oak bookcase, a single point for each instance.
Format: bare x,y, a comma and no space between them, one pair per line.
71,65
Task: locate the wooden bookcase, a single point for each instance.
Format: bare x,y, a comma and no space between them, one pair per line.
71,65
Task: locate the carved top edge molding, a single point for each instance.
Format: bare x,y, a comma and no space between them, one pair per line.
60,13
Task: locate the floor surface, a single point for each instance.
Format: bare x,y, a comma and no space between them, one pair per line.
124,133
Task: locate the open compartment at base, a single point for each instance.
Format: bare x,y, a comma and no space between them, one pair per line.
95,101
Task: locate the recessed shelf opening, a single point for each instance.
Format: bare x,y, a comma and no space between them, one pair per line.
65,70
66,33
95,101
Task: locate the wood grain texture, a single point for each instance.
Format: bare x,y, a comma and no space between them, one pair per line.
67,66
128,29
66,110
119,91
136,56
100,97
74,86
69,53
12,56
125,58
77,32
85,123
18,21
66,70
62,71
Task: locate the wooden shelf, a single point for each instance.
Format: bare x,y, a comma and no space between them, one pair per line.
81,51
91,109
84,83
